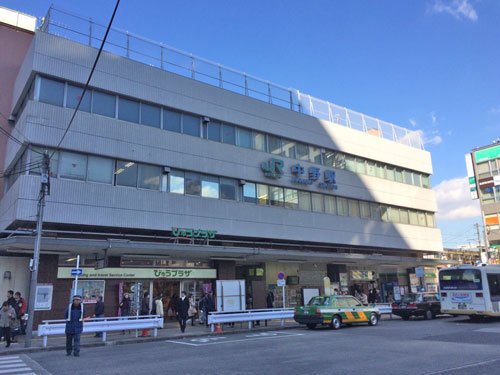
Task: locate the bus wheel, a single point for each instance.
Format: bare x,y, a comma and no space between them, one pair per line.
336,322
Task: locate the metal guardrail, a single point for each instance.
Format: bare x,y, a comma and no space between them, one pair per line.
94,325
121,42
383,308
249,316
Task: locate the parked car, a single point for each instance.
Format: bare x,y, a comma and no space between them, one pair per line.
335,311
426,305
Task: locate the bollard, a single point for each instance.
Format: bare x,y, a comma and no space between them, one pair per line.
104,336
155,332
45,341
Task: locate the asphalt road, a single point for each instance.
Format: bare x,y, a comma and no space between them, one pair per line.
438,347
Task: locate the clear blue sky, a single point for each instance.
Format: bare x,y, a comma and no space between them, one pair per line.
429,64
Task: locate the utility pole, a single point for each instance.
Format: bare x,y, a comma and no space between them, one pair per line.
479,246
486,244
44,190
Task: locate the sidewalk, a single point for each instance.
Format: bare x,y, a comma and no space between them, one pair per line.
171,331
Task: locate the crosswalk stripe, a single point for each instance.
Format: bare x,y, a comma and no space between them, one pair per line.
11,361
11,365
11,371
9,357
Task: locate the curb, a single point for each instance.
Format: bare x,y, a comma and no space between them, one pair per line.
139,340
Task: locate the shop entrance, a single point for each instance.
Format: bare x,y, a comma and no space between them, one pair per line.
170,290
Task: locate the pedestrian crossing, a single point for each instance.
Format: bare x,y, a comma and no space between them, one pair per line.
13,364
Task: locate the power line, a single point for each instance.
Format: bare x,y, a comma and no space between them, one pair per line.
16,140
88,80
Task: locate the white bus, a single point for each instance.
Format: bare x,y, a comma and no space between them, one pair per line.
470,290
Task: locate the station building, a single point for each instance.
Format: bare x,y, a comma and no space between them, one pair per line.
177,172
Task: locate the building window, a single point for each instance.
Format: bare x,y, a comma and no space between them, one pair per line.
228,134
291,198
398,173
350,163
430,220
330,205
210,187
394,214
302,152
379,170
73,96
403,216
364,210
172,121
211,130
370,168
483,170
353,207
314,154
421,219
342,209
375,211
317,202
126,173
150,115
487,195
274,144
262,194
103,104
407,175
100,169
191,125
73,166
304,201
149,177
227,188
36,158
250,192
244,138
360,165
192,183
288,147
426,181
413,218
384,211
276,195
259,141
176,179
390,172
128,110
51,92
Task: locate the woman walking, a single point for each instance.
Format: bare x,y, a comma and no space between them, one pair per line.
192,309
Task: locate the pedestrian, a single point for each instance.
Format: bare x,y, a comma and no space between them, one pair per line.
125,307
182,310
74,325
21,303
202,305
371,296
192,309
145,311
210,306
99,312
270,299
7,314
172,307
378,297
363,298
335,292
10,298
159,306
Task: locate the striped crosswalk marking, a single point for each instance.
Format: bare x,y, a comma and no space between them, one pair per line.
14,365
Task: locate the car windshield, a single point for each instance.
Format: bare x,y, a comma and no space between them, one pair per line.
412,297
319,301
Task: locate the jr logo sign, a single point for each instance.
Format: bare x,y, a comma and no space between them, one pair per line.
273,168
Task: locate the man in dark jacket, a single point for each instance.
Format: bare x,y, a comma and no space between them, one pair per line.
182,310
209,305
145,311
99,312
10,299
74,325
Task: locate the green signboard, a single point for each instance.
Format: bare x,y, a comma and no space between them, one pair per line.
140,273
193,233
487,154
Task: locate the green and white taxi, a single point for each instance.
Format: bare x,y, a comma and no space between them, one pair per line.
335,311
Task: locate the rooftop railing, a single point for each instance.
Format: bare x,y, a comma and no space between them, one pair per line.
123,43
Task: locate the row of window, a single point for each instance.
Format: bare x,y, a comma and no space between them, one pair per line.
95,101
488,168
98,169
490,195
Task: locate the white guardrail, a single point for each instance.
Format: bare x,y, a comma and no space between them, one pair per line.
94,325
249,316
383,308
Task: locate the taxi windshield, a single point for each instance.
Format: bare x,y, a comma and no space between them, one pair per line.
319,301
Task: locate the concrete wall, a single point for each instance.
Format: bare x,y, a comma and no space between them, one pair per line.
20,276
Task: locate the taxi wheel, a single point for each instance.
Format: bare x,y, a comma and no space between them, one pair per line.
428,315
311,325
373,321
336,322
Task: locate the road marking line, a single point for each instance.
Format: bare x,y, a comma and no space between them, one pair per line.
10,371
240,340
12,365
11,361
182,342
461,367
490,330
9,357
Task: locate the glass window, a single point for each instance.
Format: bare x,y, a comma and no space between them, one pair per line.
342,206
421,219
51,92
262,194
191,125
73,96
317,202
384,210
416,179
227,188
380,170
360,165
330,205
426,181
176,179
483,170
488,195
403,216
149,177
172,121
100,169
407,175
288,147
302,152
350,163
228,134
353,207
430,220
315,155
211,131
339,161
150,115
291,198
259,141
390,172
103,104
192,183
398,173
210,187
413,218
244,137
249,192
370,168
36,158
73,166
364,210
329,158
128,110
304,201
394,214
274,144
375,211
276,195
126,173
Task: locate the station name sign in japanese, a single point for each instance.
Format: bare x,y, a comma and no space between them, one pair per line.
140,273
273,168
193,233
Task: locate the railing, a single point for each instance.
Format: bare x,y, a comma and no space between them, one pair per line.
87,31
383,308
57,327
249,316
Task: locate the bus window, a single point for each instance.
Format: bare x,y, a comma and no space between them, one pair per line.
494,284
466,279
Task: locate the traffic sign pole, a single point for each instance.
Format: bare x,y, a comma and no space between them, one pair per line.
75,285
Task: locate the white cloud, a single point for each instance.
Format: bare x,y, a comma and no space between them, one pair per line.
433,117
430,139
412,122
454,200
460,9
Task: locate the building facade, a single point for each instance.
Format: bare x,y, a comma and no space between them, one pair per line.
175,182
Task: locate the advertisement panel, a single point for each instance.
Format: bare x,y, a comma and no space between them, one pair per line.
487,154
